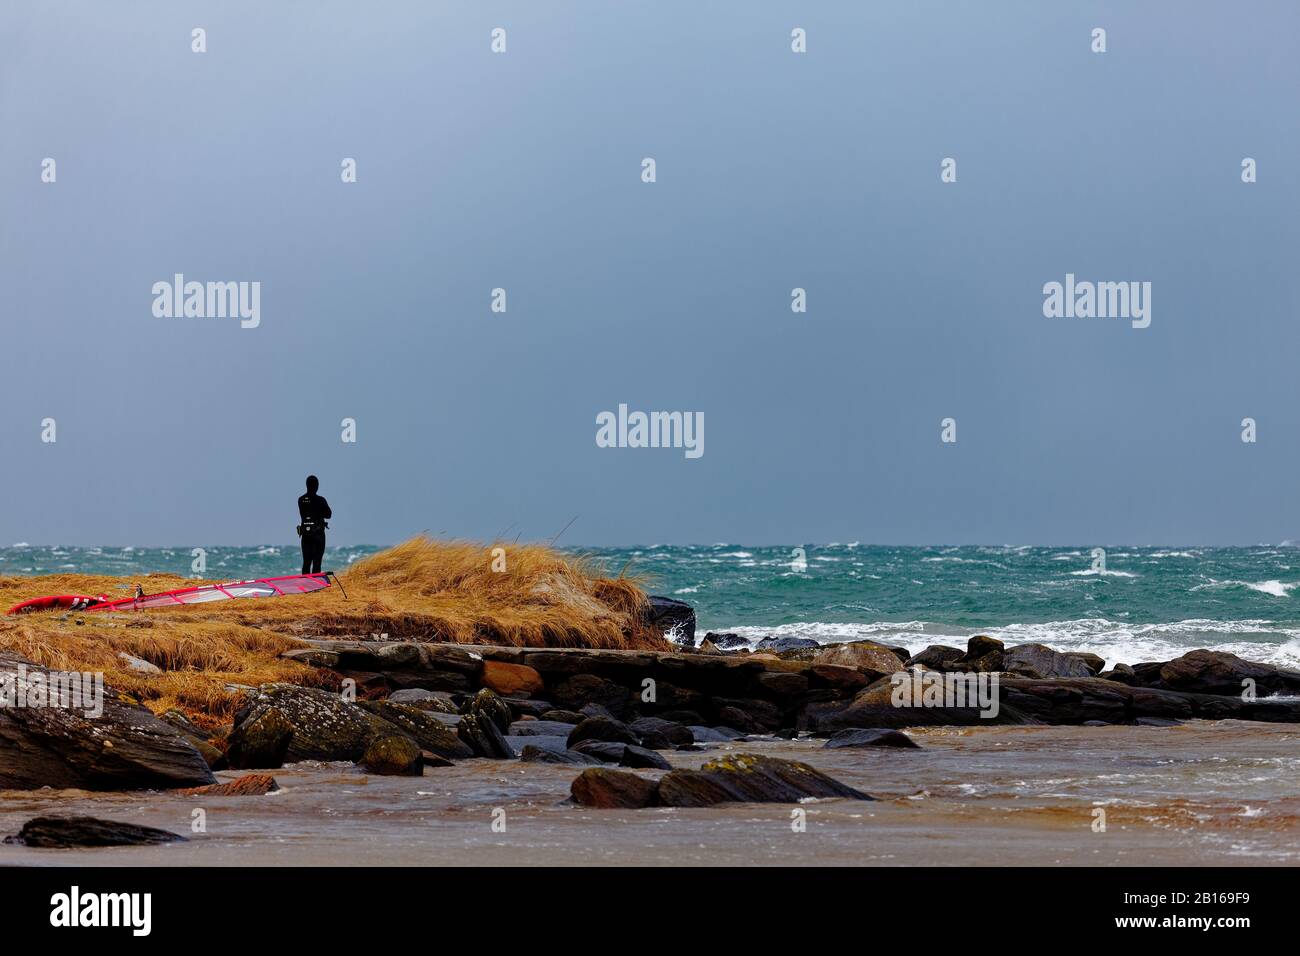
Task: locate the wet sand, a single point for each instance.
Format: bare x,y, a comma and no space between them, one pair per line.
1217,793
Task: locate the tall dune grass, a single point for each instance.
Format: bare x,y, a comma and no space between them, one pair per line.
421,589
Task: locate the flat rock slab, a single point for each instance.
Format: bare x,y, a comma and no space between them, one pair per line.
58,833
63,743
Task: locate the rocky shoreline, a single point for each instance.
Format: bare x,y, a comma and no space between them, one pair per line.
408,707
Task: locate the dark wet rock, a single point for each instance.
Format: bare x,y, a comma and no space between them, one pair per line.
936,657
1121,673
738,718
901,652
787,733
674,619
1094,662
607,751
708,647
539,728
726,640
749,778
428,759
672,697
677,734
749,714
325,726
983,655
123,748
422,726
687,718
714,735
1218,672
487,704
643,758
779,645
845,679
541,742
522,707
1157,722
875,737
563,716
1038,660
480,733
438,700
594,710
249,785
782,685
184,724
261,742
61,833
875,707
603,788
534,754
653,740
1095,723
583,689
602,728
393,756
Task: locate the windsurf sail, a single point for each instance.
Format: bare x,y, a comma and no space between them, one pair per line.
199,594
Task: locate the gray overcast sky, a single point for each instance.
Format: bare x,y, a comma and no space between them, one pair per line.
775,170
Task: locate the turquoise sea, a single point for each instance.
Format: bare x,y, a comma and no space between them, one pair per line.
1144,604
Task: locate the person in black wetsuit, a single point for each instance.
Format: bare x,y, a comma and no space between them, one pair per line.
314,512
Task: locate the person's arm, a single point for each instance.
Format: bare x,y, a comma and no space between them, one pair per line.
325,509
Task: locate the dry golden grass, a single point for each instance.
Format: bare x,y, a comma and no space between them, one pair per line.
419,590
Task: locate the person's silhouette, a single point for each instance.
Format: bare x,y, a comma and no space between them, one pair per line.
314,512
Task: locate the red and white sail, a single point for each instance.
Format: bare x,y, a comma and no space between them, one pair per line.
199,594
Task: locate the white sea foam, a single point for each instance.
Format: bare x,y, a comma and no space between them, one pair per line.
1274,588
1102,572
1115,641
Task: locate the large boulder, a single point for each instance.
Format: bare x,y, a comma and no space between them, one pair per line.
481,734
679,735
1039,660
671,618
325,726
936,657
1218,672
865,655
511,680
393,756
261,742
66,741
582,689
607,789
984,655
785,645
602,728
749,778
421,726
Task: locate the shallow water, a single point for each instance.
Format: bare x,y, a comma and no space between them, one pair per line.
1222,793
